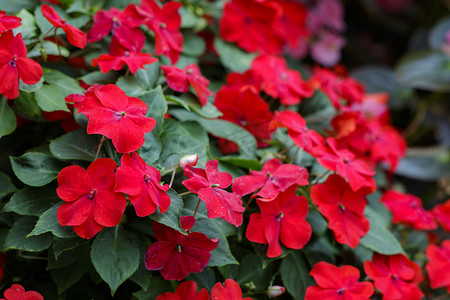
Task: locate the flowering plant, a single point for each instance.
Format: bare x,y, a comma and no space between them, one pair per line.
220,150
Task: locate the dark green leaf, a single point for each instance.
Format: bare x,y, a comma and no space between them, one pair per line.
318,223
171,217
35,168
320,249
157,107
6,185
294,273
75,145
26,104
205,279
48,48
48,222
100,78
252,272
157,287
49,98
115,256
151,149
67,276
208,111
180,138
8,121
232,57
143,81
142,275
17,237
32,201
425,70
379,239
61,245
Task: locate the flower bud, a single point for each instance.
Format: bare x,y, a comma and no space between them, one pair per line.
275,291
188,160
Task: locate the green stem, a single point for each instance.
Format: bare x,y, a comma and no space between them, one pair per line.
184,194
196,208
317,180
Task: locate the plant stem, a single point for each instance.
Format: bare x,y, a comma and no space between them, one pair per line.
172,177
185,193
196,208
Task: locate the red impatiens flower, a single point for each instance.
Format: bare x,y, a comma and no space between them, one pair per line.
246,108
209,184
300,134
438,265
342,161
281,219
91,202
343,208
407,209
119,56
250,23
248,79
395,276
230,291
74,35
142,184
17,292
273,178
280,82
165,22
442,214
179,80
337,283
123,25
8,22
185,291
118,117
176,255
14,64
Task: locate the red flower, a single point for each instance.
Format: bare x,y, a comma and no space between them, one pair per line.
281,219
142,184
17,292
123,25
209,184
442,214
91,202
438,265
273,178
300,134
118,117
407,209
247,109
119,56
176,255
337,283
230,291
395,276
185,291
248,79
74,35
280,82
343,208
14,64
355,171
250,23
179,80
8,22
165,22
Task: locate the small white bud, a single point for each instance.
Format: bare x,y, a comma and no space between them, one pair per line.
275,291
188,160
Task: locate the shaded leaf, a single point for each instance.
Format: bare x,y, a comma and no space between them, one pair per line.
171,217
294,273
232,57
75,145
6,185
17,237
32,201
48,222
8,121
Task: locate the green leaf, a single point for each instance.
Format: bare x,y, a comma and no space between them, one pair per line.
251,164
425,70
65,84
17,237
48,222
157,286
26,104
67,276
115,256
48,48
49,98
100,78
30,88
75,145
232,57
252,273
28,27
62,245
35,168
205,279
142,275
379,239
143,81
6,185
151,149
32,201
437,36
12,6
213,228
294,273
8,121
171,217
318,223
180,138
193,45
208,111
157,106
